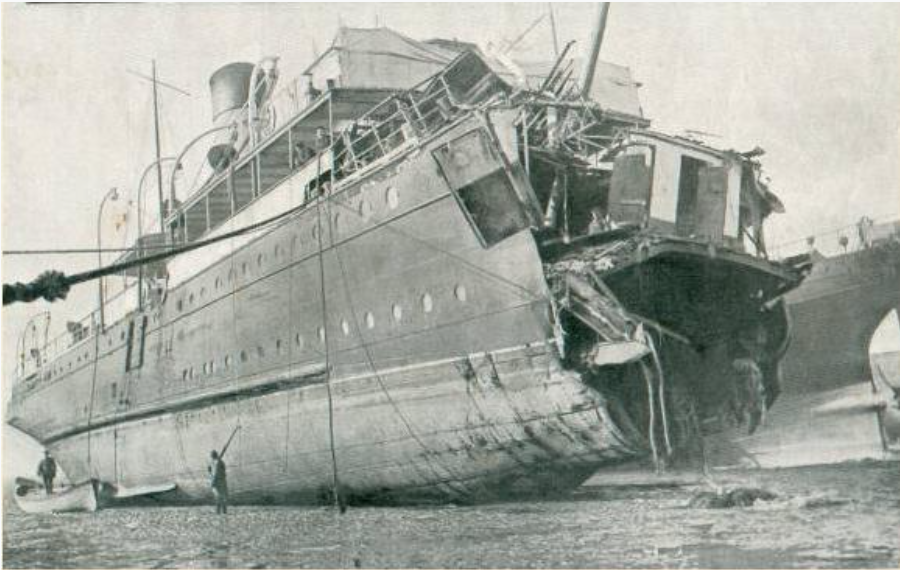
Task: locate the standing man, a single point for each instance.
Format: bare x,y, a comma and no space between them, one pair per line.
218,480
47,471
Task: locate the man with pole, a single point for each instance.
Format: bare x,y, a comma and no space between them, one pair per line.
218,478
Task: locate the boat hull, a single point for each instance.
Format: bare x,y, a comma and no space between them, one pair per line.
78,498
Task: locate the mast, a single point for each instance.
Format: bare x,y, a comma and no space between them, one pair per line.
553,30
590,64
159,183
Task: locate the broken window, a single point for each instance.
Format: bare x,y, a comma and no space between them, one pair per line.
476,174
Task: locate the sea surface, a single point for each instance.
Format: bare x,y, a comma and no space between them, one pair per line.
825,517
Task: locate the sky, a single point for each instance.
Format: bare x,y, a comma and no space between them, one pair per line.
816,86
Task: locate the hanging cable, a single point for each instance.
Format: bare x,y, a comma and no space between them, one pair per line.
335,479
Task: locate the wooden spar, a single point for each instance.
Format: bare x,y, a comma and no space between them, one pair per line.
590,65
228,443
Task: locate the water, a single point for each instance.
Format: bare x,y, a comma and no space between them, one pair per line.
827,517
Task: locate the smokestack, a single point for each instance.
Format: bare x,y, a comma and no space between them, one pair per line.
590,64
229,89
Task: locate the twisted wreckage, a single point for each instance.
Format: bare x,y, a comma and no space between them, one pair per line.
494,280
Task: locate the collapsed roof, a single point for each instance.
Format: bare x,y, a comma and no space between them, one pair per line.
364,58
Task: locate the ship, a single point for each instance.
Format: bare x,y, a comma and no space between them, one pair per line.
839,402
420,271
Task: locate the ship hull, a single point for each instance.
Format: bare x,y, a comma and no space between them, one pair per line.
825,413
486,427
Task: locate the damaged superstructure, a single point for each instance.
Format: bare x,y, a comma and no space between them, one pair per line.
489,284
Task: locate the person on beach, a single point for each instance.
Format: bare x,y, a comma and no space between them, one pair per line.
47,471
218,481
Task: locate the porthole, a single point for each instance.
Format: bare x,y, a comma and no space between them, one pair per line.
460,292
243,356
202,292
298,340
337,217
427,303
278,346
191,300
392,197
179,305
345,326
365,209
218,283
184,374
397,312
294,242
122,335
321,333
231,275
277,251
227,361
244,268
315,232
370,320
260,351
259,259
212,367
191,373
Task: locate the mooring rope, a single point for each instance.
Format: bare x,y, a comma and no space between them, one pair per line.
335,478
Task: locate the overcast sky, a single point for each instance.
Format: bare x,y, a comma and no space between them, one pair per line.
817,86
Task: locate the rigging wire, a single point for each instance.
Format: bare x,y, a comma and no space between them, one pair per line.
335,476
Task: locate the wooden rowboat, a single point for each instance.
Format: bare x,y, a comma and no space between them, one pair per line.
76,498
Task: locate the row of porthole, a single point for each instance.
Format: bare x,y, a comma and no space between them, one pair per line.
392,197
426,300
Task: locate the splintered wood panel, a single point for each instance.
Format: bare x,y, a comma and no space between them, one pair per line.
712,192
629,193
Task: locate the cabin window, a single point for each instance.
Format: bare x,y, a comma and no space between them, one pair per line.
259,259
242,185
244,356
278,347
220,205
345,327
260,351
427,303
227,361
370,320
321,333
274,163
298,340
196,220
460,293
336,218
397,312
